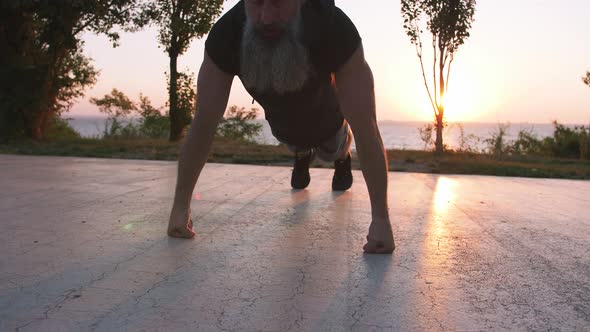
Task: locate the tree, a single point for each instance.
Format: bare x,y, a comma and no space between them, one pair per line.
186,99
586,79
448,22
122,119
115,105
180,21
76,74
145,107
41,56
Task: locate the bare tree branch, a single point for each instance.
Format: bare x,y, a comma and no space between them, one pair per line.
449,71
419,52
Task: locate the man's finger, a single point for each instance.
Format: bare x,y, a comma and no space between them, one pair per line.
377,247
182,233
384,250
369,246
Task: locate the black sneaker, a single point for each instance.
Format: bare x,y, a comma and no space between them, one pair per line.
342,179
300,176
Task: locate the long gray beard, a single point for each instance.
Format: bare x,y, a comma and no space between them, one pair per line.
280,67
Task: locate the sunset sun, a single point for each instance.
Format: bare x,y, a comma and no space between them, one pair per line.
460,102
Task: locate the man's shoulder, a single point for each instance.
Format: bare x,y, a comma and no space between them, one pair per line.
323,19
223,40
320,10
325,10
232,22
330,34
322,4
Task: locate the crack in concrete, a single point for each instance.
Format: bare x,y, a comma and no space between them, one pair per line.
57,305
49,308
575,289
136,299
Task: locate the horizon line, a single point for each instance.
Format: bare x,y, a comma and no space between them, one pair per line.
101,116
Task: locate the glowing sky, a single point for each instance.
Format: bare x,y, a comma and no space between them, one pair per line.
523,63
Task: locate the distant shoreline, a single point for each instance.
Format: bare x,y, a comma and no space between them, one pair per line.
408,122
404,135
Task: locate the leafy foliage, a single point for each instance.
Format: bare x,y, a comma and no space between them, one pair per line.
497,143
41,55
62,131
115,105
467,143
566,142
186,96
180,21
155,126
118,107
152,124
527,143
76,74
426,134
237,124
145,107
122,121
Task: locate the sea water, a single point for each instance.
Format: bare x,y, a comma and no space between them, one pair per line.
395,134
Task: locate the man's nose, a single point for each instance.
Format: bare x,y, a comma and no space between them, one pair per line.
268,13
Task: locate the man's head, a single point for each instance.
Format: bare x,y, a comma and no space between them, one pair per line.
272,17
272,57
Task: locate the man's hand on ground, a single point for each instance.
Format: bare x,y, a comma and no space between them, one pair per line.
180,224
380,238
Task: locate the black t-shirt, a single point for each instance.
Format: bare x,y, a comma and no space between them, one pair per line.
309,116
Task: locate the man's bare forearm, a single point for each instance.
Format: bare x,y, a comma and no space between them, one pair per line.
193,156
213,88
371,153
373,160
356,93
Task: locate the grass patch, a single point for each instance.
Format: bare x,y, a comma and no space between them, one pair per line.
223,150
236,152
482,164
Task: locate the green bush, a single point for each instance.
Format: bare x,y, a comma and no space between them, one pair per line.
426,135
120,124
60,130
585,145
467,143
237,125
565,143
115,128
527,143
150,126
155,126
497,144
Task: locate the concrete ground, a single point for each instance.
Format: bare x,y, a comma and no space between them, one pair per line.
84,247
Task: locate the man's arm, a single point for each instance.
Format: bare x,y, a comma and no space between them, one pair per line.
356,94
213,87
